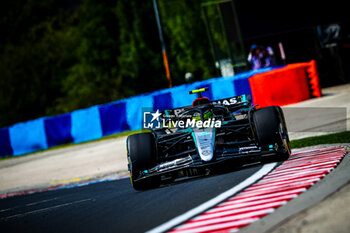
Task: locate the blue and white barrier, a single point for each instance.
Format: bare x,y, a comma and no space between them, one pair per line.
101,120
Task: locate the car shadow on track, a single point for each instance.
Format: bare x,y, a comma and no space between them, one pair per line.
216,171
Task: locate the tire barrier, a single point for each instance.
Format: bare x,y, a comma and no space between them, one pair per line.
268,86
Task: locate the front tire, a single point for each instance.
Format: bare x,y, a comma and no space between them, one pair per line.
271,129
141,152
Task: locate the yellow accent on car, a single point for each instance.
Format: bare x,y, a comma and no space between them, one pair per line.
197,118
198,90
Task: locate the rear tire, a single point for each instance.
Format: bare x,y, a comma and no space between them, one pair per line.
271,129
141,152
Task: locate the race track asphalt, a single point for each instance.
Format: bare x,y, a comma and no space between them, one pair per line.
112,206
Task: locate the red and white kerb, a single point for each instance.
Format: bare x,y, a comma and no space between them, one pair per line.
303,169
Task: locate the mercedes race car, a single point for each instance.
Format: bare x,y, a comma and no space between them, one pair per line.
209,135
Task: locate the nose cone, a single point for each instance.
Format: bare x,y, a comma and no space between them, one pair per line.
205,143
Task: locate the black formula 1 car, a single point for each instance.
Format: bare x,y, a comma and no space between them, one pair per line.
195,140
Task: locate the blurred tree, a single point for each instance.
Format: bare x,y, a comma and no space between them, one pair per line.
93,78
34,56
140,57
186,33
58,56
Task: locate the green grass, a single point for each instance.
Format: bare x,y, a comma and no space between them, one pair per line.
342,137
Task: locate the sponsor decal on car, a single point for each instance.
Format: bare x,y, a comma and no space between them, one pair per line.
229,101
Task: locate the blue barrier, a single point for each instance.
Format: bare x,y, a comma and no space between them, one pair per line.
5,143
58,130
134,107
223,88
241,86
98,121
113,118
28,137
86,125
162,101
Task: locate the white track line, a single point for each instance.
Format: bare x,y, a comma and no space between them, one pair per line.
215,201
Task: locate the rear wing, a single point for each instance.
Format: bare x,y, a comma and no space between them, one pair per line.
244,99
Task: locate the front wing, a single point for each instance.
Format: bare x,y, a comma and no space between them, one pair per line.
192,165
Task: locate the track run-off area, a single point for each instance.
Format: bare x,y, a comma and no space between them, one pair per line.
219,203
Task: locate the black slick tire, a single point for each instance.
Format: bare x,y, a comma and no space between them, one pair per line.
271,129
141,152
